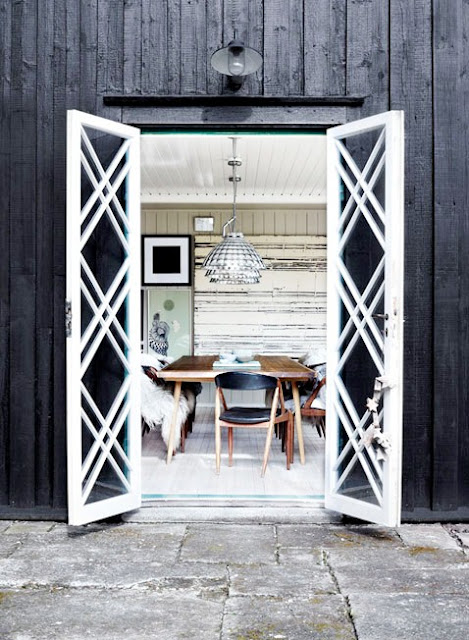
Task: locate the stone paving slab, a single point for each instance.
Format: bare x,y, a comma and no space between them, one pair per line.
324,618
387,579
405,617
233,582
405,558
325,536
428,535
297,555
109,614
234,544
110,556
299,580
15,528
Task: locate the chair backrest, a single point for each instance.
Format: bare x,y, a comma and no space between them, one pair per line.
244,380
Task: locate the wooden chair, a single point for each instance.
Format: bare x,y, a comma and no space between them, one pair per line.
319,415
250,417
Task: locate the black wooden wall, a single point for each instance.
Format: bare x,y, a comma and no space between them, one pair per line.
400,54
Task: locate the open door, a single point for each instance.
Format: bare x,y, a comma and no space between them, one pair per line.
365,201
103,317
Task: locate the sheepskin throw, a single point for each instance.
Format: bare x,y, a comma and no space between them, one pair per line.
157,402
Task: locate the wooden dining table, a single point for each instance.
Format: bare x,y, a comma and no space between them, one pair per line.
200,369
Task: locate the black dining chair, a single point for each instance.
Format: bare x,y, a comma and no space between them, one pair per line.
250,417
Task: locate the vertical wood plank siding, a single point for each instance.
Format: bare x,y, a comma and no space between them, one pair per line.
60,54
5,163
23,257
451,94
324,47
411,90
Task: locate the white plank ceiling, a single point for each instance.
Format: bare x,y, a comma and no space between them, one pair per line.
191,169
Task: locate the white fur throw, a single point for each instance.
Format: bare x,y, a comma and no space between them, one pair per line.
314,358
157,402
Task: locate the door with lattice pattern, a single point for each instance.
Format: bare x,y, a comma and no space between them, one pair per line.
103,307
365,318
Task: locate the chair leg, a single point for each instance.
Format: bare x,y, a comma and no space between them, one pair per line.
190,422
230,446
287,443
268,442
290,440
217,445
183,437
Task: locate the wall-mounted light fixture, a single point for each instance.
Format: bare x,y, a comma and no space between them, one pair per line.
236,61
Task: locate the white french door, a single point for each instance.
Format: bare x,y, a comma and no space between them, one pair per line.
103,332
365,202
365,334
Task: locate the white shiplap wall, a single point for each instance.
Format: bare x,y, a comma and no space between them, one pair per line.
272,221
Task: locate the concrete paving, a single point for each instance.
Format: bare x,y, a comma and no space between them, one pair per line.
224,575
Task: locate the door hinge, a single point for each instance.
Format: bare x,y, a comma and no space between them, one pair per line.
68,318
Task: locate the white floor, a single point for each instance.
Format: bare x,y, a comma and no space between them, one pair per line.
191,475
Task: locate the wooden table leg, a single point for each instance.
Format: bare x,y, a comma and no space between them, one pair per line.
176,396
299,428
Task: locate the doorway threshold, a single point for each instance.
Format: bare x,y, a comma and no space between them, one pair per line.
236,510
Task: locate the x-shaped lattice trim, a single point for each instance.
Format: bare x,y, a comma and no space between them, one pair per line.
104,308
110,186
350,323
110,427
354,432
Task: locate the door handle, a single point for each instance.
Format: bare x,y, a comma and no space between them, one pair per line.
380,316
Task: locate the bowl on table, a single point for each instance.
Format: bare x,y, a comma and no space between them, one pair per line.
243,355
227,358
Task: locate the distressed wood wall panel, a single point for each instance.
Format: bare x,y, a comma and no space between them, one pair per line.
367,52
411,90
133,46
194,58
285,313
295,281
44,310
154,47
5,163
88,54
110,56
66,79
173,61
23,254
451,100
324,47
215,31
283,47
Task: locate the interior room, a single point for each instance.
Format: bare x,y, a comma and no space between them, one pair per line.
274,184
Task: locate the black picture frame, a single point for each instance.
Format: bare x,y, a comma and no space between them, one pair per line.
166,260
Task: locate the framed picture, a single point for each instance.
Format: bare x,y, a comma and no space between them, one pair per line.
168,321
166,260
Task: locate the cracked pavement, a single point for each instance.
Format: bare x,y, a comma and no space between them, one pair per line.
233,580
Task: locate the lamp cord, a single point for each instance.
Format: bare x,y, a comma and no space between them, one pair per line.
234,162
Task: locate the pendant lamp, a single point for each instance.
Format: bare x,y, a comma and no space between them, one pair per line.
234,260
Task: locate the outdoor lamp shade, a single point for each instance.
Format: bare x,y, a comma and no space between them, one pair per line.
236,60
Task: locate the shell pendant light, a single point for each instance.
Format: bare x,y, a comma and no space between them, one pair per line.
234,260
